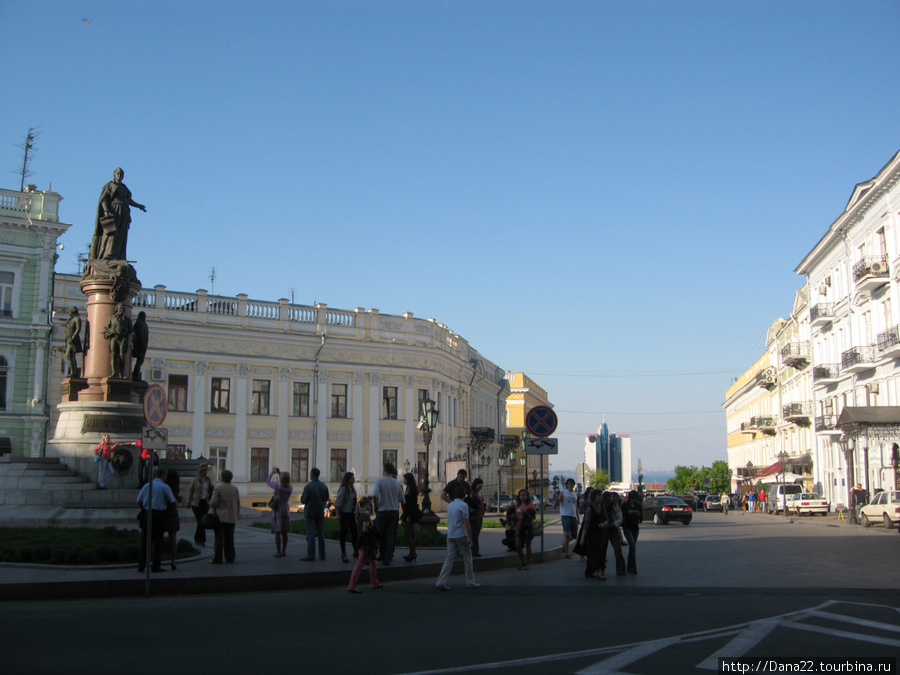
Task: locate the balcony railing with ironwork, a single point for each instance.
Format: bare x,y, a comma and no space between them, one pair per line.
871,266
855,357
795,354
826,422
826,371
508,440
889,340
797,412
824,311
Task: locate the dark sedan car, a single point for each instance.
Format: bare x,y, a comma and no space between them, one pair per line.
663,510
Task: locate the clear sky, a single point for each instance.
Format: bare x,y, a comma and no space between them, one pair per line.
610,196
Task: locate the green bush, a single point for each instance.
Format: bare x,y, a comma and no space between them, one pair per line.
129,553
23,555
42,554
58,557
73,555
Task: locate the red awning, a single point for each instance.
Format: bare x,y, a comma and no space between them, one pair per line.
769,471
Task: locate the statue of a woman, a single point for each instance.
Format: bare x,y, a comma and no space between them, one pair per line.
113,220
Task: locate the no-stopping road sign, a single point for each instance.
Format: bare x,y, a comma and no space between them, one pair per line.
541,421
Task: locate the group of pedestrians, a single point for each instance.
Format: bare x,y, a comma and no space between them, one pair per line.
606,520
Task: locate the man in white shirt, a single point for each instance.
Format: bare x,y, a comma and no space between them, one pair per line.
459,541
388,495
567,502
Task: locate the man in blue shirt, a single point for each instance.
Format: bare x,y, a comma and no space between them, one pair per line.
314,498
155,496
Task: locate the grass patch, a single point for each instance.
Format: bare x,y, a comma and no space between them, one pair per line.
333,531
77,545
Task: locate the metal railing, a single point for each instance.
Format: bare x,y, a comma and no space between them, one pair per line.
858,356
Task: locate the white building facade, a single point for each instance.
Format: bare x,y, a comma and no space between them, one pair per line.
853,276
255,385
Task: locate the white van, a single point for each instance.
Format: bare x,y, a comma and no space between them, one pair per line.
776,495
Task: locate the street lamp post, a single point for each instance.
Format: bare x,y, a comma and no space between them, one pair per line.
782,457
428,420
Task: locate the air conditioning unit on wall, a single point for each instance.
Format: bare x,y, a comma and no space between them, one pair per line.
878,268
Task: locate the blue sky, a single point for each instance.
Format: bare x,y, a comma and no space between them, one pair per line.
610,196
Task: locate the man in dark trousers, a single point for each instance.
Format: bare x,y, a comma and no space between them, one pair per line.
314,498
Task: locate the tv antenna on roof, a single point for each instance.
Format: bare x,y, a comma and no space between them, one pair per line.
212,279
28,148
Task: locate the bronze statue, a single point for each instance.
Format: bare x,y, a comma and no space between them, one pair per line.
73,341
139,341
118,331
113,220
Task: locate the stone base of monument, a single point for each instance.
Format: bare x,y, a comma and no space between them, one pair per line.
80,428
71,386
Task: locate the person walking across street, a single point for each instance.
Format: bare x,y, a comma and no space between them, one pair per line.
367,546
226,504
314,498
459,541
388,495
726,502
568,503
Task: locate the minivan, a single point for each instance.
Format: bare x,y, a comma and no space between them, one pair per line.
776,495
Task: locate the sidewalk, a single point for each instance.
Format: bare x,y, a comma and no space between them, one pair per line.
255,569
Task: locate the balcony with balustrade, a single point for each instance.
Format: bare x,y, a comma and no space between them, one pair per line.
858,359
889,343
822,314
33,206
795,354
870,273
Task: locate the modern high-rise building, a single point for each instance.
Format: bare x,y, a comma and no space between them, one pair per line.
610,453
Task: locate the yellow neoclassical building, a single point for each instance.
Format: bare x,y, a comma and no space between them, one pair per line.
524,394
253,385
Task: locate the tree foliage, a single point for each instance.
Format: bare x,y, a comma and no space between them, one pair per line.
717,474
597,479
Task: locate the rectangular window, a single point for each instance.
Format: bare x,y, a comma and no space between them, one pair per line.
178,391
300,465
175,451
389,403
300,402
7,286
259,404
259,465
218,458
219,398
389,456
339,400
338,465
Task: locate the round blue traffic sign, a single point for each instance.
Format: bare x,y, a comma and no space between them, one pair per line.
541,421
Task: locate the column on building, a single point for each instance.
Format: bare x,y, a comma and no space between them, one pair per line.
284,414
357,408
373,461
240,426
198,430
411,419
322,405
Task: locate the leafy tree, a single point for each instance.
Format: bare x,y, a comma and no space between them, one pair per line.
597,479
717,475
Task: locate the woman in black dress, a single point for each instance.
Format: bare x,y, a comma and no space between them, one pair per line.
411,514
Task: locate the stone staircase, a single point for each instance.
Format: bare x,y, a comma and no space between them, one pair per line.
44,491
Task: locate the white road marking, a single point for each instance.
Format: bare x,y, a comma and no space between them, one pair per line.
741,644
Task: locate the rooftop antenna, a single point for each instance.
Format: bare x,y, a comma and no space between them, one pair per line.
212,279
28,149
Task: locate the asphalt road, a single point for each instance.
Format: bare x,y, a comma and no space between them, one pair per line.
737,586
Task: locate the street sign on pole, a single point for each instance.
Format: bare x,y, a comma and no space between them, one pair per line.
155,405
155,438
541,421
541,446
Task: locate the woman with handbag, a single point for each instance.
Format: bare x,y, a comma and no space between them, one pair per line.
345,503
198,497
411,514
281,510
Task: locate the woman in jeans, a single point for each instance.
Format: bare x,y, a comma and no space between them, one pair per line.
345,503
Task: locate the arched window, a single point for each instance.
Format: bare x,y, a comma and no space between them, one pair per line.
4,366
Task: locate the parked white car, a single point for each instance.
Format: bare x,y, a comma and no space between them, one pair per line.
807,502
885,506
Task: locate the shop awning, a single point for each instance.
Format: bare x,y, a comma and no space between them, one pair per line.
877,420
